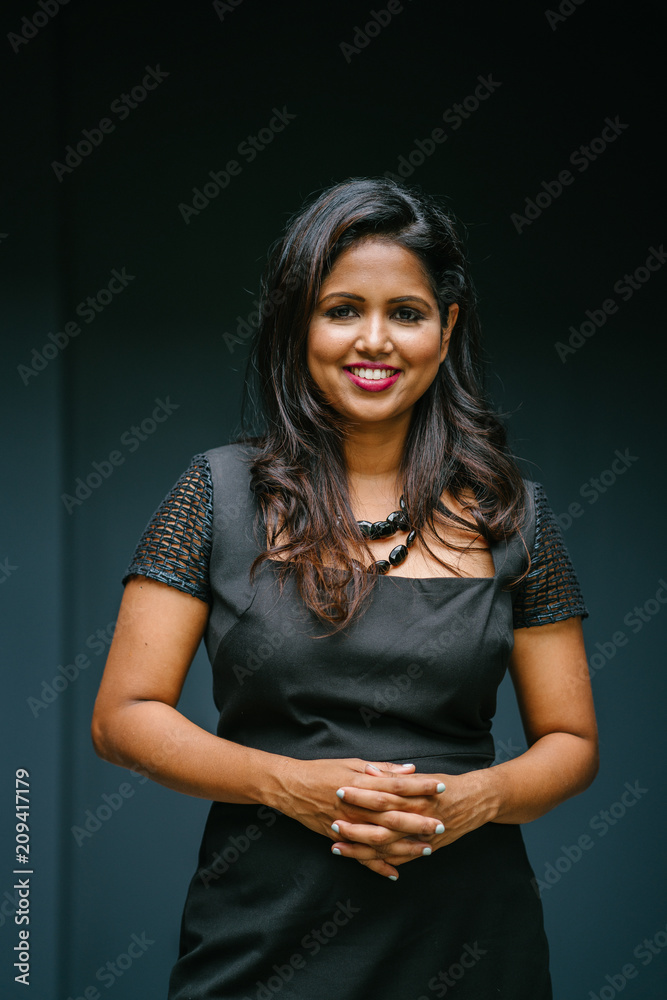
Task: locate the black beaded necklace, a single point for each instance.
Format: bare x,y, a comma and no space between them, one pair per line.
396,521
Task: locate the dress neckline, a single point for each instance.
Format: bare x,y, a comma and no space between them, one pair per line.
493,547
469,579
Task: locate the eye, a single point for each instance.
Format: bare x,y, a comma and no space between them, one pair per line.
406,314
340,312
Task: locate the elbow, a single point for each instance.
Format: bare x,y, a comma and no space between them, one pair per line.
592,765
101,734
595,766
97,735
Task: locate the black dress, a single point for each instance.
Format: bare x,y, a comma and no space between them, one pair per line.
270,910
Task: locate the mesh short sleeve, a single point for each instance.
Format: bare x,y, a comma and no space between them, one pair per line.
175,547
550,592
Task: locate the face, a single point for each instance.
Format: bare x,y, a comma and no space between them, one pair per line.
375,340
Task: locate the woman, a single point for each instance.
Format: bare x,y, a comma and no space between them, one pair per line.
342,648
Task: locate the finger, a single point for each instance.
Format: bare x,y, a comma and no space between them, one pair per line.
381,867
384,827
401,850
396,783
377,800
378,767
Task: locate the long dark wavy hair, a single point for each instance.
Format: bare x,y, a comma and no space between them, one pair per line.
455,442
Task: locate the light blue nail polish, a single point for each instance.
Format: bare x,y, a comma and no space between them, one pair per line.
440,828
440,787
394,878
335,827
407,765
341,793
335,850
427,850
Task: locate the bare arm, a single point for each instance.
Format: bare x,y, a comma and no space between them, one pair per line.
550,674
136,724
135,721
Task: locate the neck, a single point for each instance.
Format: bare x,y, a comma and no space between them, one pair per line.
373,454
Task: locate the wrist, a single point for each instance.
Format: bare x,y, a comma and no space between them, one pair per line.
490,793
274,779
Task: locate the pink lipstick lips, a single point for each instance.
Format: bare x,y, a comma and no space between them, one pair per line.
366,378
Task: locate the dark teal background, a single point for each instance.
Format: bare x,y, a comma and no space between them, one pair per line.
161,338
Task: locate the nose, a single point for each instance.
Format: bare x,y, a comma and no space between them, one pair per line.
374,336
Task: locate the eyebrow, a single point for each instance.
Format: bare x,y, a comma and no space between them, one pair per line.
360,298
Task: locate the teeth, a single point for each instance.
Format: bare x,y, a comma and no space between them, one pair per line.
374,374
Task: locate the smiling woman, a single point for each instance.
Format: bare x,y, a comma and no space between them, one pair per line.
373,544
375,338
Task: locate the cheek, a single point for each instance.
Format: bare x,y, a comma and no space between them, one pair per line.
317,356
322,348
426,353
313,352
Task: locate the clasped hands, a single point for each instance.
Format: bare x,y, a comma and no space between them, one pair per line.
385,814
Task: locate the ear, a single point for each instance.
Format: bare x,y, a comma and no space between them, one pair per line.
452,316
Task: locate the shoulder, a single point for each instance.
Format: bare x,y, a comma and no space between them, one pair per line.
229,468
237,451
550,591
176,543
238,455
540,522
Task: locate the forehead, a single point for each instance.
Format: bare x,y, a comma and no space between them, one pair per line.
378,262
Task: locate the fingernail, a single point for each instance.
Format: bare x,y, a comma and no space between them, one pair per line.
394,878
407,765
341,793
427,850
440,787
440,828
335,827
335,850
